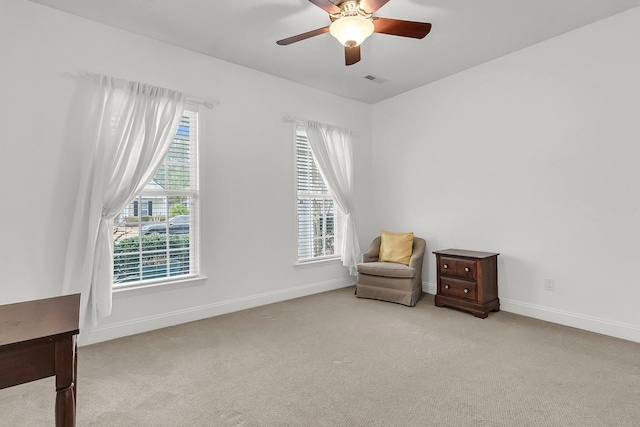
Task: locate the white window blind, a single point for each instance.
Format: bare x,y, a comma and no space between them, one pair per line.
316,209
155,237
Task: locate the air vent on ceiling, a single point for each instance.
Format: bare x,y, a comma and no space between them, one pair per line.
375,79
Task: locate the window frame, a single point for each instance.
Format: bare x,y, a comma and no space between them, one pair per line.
299,128
193,195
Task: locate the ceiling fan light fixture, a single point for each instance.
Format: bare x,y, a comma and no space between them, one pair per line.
351,31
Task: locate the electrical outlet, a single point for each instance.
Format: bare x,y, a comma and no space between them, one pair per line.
550,284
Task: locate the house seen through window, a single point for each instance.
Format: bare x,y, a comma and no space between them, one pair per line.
318,217
155,236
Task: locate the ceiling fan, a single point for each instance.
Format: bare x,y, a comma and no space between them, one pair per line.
352,21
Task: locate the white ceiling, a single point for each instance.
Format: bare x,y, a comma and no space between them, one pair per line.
465,33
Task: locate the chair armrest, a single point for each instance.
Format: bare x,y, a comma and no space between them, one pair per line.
417,254
372,254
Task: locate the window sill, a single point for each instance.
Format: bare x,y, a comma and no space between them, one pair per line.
316,261
164,285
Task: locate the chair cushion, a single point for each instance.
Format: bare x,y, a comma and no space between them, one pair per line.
395,247
386,269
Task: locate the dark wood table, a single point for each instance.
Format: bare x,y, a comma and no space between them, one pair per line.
38,340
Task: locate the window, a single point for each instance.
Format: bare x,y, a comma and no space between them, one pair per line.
317,215
155,236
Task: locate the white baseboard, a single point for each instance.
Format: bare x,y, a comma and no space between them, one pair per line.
93,335
430,288
588,323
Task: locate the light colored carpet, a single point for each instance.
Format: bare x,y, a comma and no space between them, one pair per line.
335,360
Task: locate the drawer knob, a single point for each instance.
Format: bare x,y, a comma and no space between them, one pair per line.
467,269
466,291
445,266
446,286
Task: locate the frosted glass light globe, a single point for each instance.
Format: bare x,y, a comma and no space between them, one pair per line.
351,31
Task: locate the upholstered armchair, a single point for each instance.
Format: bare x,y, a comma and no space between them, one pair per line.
391,281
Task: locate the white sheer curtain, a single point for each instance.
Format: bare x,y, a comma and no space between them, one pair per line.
332,150
129,128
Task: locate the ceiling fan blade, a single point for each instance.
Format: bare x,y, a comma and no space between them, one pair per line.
303,36
371,6
396,27
351,55
327,6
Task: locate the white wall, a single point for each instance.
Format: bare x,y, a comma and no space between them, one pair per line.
247,180
535,156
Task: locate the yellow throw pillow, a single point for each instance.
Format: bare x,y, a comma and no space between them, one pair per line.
395,247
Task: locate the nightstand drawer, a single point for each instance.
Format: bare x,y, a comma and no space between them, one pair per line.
457,288
456,267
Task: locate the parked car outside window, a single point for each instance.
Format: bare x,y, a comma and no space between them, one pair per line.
177,225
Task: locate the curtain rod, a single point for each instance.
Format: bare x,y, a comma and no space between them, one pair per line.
292,119
209,103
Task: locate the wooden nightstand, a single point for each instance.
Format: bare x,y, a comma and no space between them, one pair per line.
468,280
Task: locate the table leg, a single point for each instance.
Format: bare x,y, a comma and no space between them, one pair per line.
64,367
75,371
